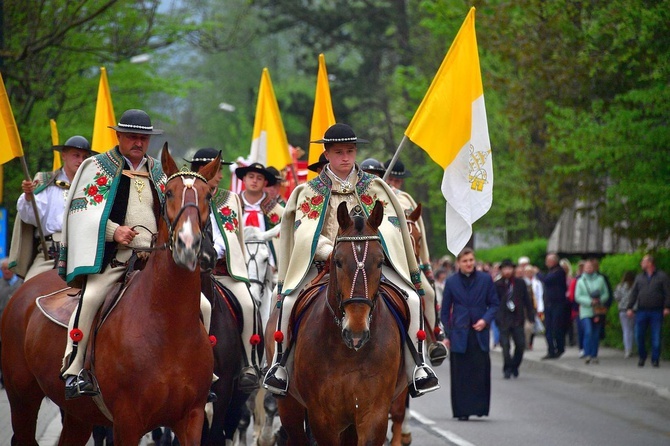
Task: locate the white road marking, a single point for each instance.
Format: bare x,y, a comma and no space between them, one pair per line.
430,424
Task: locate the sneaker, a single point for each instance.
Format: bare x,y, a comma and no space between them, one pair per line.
640,363
248,381
655,364
587,360
437,353
626,355
276,381
581,354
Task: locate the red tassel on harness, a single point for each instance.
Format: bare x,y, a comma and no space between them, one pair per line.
212,340
437,331
421,335
255,339
76,334
279,336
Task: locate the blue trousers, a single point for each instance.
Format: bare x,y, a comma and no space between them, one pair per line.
591,332
652,319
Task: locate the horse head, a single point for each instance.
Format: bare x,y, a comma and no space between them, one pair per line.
355,271
185,209
414,230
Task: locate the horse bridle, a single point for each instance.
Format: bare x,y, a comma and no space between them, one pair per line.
360,267
189,183
252,258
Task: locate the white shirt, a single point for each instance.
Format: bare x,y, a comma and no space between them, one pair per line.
253,207
538,292
219,244
50,206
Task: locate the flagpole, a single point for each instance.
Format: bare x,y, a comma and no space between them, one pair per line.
37,214
395,157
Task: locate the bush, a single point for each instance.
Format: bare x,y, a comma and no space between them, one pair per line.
536,250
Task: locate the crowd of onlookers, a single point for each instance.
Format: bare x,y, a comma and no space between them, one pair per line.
574,311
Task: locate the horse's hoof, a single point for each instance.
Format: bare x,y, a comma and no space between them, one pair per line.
406,439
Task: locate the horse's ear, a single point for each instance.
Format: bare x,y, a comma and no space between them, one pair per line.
210,169
343,216
167,162
376,215
416,213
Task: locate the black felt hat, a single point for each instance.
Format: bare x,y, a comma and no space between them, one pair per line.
135,121
398,169
278,176
259,168
340,133
75,142
205,156
373,165
322,162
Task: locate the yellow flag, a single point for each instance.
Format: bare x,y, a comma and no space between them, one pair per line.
322,116
10,142
54,141
104,138
450,125
269,144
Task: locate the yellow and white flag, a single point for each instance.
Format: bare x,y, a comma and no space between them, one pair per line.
322,116
54,142
450,125
104,138
269,144
10,141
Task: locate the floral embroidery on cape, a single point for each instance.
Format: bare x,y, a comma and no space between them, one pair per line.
97,191
230,221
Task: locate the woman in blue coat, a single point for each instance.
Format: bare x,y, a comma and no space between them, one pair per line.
469,304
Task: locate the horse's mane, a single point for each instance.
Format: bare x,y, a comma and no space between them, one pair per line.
359,223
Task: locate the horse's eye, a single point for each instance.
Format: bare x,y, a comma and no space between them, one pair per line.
168,194
338,264
208,197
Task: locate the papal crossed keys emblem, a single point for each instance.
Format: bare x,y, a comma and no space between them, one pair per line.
478,175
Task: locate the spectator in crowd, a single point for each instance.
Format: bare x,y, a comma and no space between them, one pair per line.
574,307
515,308
622,297
440,278
570,325
608,304
555,303
8,284
536,291
651,294
469,304
591,293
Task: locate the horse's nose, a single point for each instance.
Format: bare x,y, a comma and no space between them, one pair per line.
355,340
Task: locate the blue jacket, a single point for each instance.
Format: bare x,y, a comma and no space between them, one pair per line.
466,300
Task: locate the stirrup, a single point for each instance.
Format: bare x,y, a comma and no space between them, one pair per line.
437,353
274,384
421,385
248,380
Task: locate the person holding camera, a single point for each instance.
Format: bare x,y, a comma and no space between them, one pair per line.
516,307
591,293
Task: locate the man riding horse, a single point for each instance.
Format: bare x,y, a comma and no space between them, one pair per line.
230,269
437,352
310,220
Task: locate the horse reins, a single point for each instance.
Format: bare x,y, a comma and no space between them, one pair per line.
252,258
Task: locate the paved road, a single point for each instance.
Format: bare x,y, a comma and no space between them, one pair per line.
558,402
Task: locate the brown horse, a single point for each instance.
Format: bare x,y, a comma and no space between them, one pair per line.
348,362
153,358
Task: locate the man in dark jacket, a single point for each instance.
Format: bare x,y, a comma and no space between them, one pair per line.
555,303
651,293
516,307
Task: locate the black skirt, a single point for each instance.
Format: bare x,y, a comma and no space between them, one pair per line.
470,380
